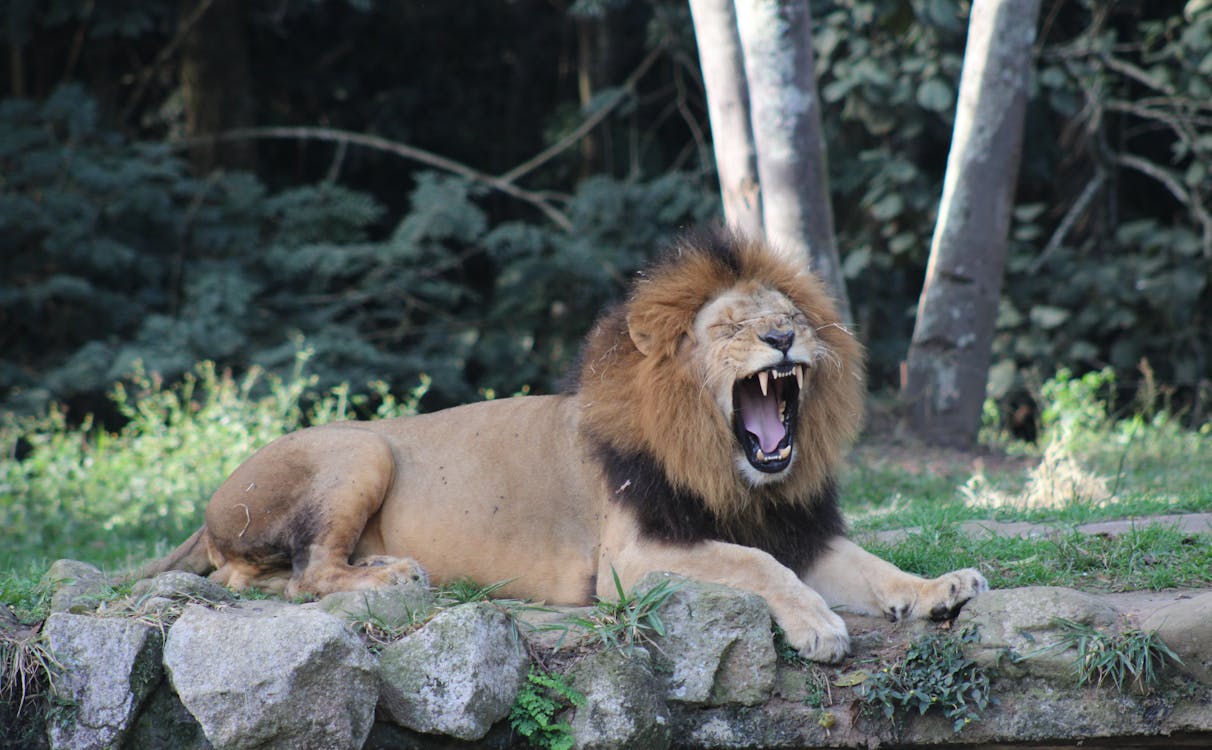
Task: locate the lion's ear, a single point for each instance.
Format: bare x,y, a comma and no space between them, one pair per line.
640,336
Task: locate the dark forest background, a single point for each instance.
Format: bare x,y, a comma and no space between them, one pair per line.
455,188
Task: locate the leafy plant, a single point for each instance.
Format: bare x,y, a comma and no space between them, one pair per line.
933,675
1128,660
541,699
631,619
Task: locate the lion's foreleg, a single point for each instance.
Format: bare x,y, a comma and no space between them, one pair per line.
810,626
848,576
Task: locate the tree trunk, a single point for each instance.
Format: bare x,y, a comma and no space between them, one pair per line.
728,108
785,111
215,84
949,354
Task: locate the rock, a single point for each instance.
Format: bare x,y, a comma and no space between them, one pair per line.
1186,627
109,666
165,722
78,587
717,646
458,675
156,595
391,607
272,673
1018,630
624,706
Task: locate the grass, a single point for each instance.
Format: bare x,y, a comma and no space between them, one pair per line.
111,498
632,619
1089,466
1131,660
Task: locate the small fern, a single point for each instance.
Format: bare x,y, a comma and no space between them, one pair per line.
534,710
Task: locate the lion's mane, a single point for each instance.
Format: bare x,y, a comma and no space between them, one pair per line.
668,451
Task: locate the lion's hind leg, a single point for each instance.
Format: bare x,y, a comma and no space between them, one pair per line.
298,509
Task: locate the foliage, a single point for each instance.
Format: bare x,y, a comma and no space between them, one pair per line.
1076,403
114,250
630,620
1128,660
1122,88
538,702
82,491
934,674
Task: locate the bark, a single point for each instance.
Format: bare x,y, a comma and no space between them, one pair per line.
785,111
215,84
949,354
728,109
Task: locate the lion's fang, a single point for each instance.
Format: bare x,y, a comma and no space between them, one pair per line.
764,381
799,376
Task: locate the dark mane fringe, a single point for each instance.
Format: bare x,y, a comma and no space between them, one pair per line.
794,533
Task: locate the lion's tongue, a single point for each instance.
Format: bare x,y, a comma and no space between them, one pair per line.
761,417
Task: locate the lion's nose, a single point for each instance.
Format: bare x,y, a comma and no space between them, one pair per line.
779,338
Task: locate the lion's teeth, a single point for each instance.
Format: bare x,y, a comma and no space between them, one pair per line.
799,376
761,455
764,381
784,453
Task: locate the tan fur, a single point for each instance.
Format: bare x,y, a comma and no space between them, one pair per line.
516,489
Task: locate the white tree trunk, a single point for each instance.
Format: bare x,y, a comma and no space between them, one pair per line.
728,108
785,112
949,354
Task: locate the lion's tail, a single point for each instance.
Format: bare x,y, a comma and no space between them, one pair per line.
192,555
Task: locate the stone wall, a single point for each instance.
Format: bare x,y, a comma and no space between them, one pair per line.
181,663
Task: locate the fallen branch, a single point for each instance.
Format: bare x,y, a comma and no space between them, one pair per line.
402,150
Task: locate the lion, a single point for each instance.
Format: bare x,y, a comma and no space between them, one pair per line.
701,434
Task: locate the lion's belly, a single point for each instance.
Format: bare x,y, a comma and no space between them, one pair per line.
495,491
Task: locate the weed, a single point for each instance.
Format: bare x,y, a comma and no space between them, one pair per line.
544,696
633,619
378,632
1129,660
934,674
817,690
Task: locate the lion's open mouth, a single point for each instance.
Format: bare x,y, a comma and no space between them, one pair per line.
766,407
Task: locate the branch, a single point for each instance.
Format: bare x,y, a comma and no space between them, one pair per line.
402,150
589,123
1176,189
1071,216
169,49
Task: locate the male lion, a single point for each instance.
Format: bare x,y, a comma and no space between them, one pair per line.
701,436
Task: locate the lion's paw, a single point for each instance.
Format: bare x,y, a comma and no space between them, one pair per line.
820,638
942,598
